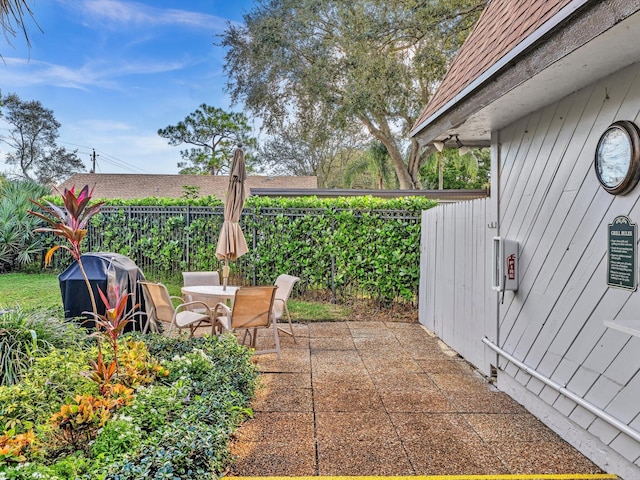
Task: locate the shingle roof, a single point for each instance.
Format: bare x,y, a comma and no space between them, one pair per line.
503,25
130,186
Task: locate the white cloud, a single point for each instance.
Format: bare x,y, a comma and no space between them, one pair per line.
22,72
120,12
103,125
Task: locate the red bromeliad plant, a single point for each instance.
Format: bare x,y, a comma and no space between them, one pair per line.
112,323
70,222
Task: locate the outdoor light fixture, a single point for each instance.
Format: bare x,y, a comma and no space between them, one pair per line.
439,144
462,150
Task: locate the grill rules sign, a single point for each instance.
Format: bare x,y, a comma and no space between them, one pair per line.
622,271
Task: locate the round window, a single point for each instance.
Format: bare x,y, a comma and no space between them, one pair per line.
617,159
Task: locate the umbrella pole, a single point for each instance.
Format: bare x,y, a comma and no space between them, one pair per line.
225,274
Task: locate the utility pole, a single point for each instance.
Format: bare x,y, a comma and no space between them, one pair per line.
93,158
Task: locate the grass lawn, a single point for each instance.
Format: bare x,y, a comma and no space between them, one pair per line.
31,290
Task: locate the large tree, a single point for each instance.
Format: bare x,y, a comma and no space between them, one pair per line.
33,132
309,147
450,170
366,168
374,63
214,134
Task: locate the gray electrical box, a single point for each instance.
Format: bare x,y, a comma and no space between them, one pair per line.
505,265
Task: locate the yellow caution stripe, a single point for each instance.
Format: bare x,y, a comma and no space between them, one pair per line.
528,476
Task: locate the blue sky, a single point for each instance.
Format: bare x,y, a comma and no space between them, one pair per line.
115,71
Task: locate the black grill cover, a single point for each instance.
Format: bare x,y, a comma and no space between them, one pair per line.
103,270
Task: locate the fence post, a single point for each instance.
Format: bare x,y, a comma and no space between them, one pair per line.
254,243
188,238
333,264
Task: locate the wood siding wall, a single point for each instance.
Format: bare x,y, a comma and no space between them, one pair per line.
550,201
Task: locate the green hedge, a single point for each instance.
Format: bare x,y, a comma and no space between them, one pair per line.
343,247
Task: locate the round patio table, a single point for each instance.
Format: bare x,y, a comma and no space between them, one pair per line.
216,291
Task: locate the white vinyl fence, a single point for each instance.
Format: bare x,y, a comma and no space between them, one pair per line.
456,301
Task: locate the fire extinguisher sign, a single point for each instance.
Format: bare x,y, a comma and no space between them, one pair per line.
511,266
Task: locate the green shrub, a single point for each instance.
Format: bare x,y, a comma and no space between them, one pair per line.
156,406
178,427
230,360
71,467
51,381
179,451
19,245
27,334
186,425
117,438
319,240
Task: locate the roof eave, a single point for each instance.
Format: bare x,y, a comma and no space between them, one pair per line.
490,99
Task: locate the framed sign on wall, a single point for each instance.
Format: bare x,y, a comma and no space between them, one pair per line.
622,270
617,159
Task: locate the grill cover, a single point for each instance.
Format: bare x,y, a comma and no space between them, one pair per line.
103,269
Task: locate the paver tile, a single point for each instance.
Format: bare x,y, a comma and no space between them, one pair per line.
456,382
342,378
340,399
273,459
349,426
507,427
375,457
331,343
284,399
285,380
445,366
390,345
403,381
390,364
277,427
415,401
330,329
555,457
484,402
416,427
443,455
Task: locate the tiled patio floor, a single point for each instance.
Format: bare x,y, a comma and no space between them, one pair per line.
377,398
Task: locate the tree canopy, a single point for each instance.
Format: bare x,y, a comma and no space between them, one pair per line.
309,146
33,132
370,63
469,171
214,134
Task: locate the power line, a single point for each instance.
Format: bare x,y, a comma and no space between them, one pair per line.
91,152
121,164
107,158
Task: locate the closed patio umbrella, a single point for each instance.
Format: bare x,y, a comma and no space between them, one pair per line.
231,243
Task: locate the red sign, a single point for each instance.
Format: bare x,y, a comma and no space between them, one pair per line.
511,266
